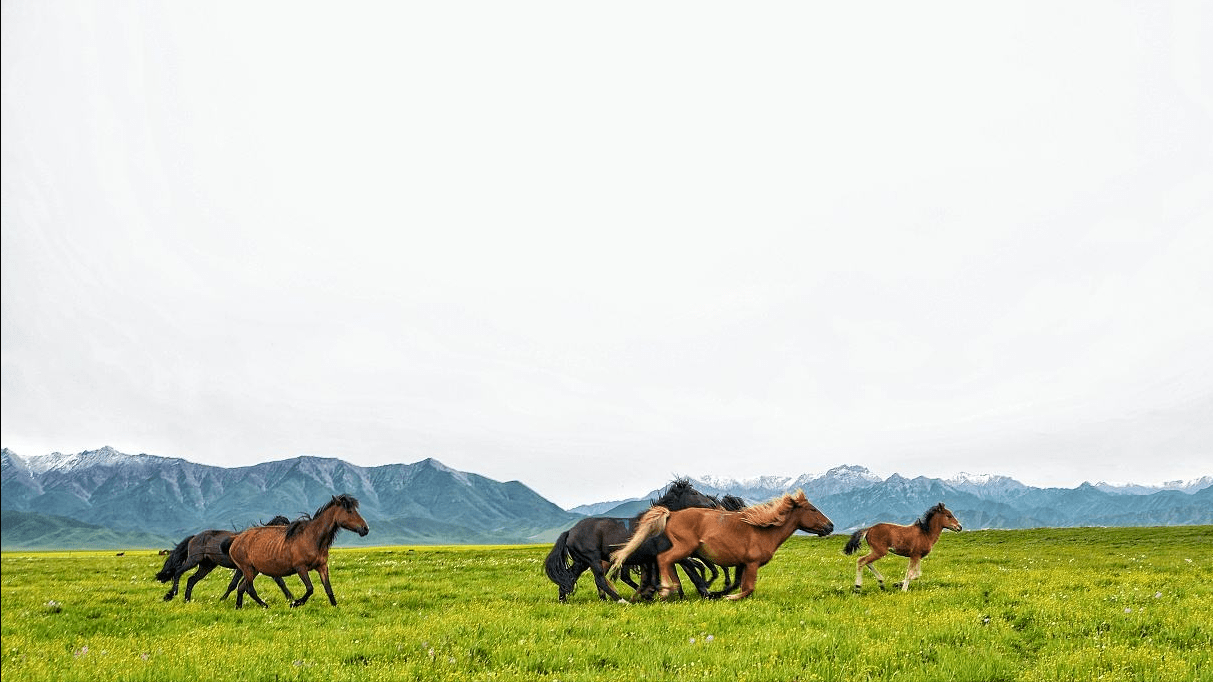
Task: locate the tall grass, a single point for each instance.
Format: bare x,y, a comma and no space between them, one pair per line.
1110,604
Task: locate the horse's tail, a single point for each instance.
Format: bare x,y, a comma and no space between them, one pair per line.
651,524
856,538
174,561
557,565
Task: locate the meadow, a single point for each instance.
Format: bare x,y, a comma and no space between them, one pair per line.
1045,604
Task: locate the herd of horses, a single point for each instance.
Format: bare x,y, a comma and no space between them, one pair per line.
703,535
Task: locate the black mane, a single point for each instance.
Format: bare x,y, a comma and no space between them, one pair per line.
347,502
924,523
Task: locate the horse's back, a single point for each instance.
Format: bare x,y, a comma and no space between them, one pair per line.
258,541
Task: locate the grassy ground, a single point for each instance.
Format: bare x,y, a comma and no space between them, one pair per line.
1110,604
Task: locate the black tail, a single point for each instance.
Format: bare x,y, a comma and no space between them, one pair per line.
853,543
558,567
174,561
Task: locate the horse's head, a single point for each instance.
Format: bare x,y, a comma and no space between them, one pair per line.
809,518
681,495
347,515
949,521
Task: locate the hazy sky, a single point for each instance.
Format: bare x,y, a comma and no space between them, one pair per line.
592,246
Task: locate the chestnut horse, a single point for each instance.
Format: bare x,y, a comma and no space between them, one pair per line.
205,550
914,541
298,548
746,539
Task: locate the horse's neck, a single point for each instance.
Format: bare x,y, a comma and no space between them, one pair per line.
936,529
322,530
779,534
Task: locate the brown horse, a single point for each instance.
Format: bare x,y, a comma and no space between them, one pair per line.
206,551
914,541
298,548
746,539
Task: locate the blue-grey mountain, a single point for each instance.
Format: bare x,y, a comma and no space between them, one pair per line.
169,498
103,498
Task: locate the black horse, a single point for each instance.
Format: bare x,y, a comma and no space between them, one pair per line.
589,543
207,550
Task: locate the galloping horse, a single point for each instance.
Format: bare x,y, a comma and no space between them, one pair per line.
205,550
746,539
298,548
914,541
589,543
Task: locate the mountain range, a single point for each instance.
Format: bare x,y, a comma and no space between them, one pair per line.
104,498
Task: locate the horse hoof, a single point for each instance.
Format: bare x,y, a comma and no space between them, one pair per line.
623,601
857,589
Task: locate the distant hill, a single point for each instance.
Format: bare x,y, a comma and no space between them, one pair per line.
853,497
107,499
27,530
426,502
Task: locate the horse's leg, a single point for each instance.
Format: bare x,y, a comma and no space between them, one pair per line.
626,576
176,578
307,582
172,591
698,578
248,587
285,591
605,590
669,577
876,552
749,579
231,586
729,586
323,570
912,572
204,568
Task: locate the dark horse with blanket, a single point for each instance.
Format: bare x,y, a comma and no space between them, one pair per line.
589,544
207,550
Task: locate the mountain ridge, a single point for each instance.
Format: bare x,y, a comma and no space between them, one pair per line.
161,499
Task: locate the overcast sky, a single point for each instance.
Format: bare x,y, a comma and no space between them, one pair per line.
592,246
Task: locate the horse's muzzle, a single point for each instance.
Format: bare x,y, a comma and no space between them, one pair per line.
363,531
826,530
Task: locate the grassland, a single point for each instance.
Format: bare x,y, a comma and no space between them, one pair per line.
1072,604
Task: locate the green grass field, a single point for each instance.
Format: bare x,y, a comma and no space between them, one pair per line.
1049,604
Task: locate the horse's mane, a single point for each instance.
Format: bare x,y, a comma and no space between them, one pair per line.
732,503
347,502
924,522
775,511
679,486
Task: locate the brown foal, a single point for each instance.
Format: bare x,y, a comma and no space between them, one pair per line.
914,541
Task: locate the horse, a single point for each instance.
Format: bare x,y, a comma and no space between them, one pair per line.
205,550
588,544
298,548
914,541
746,539
661,543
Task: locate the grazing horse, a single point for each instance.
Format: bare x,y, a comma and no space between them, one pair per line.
746,539
298,548
589,543
914,541
206,550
